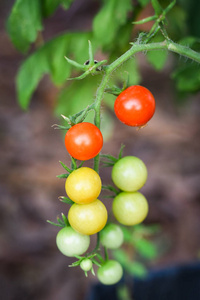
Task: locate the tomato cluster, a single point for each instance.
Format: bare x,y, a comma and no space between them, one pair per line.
130,207
87,214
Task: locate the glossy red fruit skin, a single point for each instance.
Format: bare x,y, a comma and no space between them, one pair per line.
135,106
83,141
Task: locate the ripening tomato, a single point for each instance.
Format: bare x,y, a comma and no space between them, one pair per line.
83,185
110,272
129,173
88,218
72,243
83,141
135,106
130,208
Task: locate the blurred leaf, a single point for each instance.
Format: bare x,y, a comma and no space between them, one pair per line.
143,2
109,19
50,59
137,269
29,75
66,3
76,96
145,248
191,41
177,27
132,267
127,234
187,77
157,7
49,6
107,125
121,256
157,58
24,23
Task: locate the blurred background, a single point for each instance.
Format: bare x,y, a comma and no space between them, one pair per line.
31,266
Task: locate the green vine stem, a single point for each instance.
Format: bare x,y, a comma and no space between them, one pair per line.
165,45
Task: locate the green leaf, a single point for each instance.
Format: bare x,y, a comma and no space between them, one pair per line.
133,267
49,59
145,248
24,23
157,58
143,2
49,6
187,77
136,268
66,3
29,75
76,96
109,19
157,7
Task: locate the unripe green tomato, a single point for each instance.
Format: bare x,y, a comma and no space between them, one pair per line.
111,236
86,264
129,174
72,243
130,208
110,272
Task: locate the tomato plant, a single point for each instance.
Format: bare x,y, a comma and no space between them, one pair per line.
72,243
129,173
135,106
83,185
110,272
88,218
130,208
83,141
111,236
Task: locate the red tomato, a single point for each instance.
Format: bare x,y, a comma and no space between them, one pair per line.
135,106
83,141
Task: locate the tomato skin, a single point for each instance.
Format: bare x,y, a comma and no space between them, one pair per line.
135,106
83,141
83,185
88,218
130,208
110,272
71,243
86,264
129,173
111,236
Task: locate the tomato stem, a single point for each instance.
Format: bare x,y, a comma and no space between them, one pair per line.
136,47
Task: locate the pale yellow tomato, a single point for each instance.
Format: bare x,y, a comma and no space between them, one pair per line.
88,218
83,185
130,208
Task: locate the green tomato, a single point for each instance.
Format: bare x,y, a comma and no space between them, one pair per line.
110,272
129,174
130,208
86,264
72,243
111,236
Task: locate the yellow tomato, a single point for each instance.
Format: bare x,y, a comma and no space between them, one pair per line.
88,218
130,208
83,185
